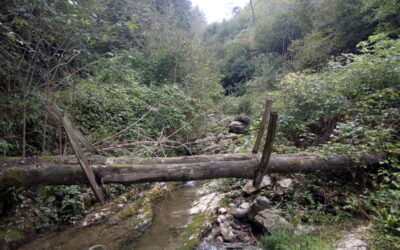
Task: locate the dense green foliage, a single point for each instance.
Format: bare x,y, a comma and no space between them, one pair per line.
332,69
294,35
139,77
106,64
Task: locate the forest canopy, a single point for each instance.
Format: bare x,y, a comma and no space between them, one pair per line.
148,77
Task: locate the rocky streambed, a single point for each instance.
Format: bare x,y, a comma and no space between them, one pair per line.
194,215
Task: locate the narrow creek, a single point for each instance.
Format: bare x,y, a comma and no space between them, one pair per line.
170,215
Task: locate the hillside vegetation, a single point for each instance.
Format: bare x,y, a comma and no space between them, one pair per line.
134,75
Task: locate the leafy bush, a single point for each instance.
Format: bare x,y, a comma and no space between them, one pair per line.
315,103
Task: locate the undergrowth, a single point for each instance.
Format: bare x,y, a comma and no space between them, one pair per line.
285,240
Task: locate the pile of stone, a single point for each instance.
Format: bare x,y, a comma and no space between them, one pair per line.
240,124
248,213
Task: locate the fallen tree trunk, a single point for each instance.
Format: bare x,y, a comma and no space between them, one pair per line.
66,170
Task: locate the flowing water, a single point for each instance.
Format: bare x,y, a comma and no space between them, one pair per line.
170,216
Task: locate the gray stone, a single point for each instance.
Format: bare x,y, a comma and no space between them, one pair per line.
221,219
239,213
227,232
237,127
285,183
216,231
222,210
259,204
249,188
352,242
243,119
245,205
271,220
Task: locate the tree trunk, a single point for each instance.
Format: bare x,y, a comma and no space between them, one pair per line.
253,14
65,170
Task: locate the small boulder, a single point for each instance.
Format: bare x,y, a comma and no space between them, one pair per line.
237,127
259,204
227,232
245,205
285,183
222,210
221,219
250,189
271,220
239,213
243,119
352,242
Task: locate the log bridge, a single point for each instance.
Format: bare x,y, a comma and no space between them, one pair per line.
66,170
96,170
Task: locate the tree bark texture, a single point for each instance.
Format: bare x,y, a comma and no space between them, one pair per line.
65,170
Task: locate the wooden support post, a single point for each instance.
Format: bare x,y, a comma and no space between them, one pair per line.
74,139
82,139
261,169
83,160
263,123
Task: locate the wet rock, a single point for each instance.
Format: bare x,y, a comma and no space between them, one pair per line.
259,204
227,232
285,183
249,188
271,220
352,242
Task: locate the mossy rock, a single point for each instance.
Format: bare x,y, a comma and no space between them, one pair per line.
195,231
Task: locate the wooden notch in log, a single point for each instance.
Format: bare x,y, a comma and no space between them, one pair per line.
262,168
66,170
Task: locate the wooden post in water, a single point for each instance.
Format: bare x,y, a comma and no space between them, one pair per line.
261,169
263,123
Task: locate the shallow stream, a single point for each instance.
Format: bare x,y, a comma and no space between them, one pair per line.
170,216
